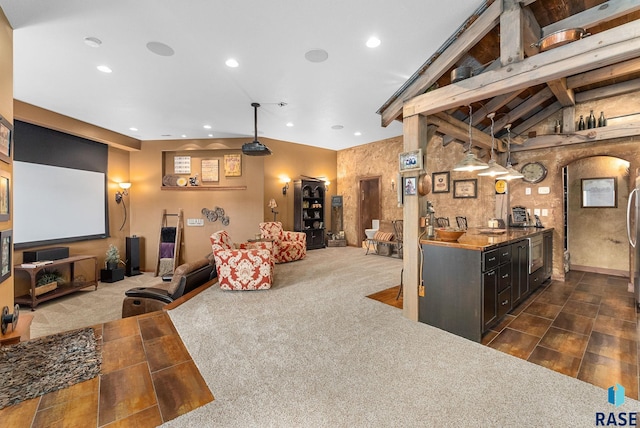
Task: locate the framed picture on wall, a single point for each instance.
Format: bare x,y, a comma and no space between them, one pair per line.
6,243
440,182
599,192
5,186
410,185
6,132
233,165
465,188
210,170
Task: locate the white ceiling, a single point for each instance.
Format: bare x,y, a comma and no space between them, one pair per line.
166,97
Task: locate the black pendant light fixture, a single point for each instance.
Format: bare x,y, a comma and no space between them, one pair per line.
255,148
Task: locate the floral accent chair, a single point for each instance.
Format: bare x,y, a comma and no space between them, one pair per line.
287,246
247,266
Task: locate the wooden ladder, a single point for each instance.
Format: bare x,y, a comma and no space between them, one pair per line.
166,229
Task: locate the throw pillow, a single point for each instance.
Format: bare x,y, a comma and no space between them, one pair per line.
383,236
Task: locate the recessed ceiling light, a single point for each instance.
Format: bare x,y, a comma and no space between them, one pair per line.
160,49
133,128
94,42
210,135
373,42
337,127
104,69
207,126
316,55
231,63
289,124
184,135
357,133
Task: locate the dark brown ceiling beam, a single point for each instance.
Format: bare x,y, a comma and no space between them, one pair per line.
537,118
609,91
604,73
604,12
472,35
600,50
565,96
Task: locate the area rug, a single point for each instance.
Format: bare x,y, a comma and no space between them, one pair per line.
39,366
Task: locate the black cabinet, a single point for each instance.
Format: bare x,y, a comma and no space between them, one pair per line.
496,285
519,271
547,237
308,211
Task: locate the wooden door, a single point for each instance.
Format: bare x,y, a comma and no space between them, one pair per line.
368,204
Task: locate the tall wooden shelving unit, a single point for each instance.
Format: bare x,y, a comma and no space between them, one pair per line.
308,211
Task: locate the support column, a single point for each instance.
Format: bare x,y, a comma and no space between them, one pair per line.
415,131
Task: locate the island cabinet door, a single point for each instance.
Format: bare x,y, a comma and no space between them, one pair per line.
519,271
489,298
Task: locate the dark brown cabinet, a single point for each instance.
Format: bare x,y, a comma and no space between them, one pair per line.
308,211
520,271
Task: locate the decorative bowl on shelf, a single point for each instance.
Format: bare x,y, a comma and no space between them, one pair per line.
449,234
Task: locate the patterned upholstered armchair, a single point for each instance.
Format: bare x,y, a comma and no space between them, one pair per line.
246,266
287,246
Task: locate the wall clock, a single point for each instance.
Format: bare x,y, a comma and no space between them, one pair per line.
534,172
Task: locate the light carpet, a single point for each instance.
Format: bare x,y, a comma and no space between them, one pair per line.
315,352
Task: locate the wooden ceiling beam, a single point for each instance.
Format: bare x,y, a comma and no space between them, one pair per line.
511,32
472,35
458,129
586,136
531,32
609,91
537,118
523,108
602,49
596,15
565,96
604,73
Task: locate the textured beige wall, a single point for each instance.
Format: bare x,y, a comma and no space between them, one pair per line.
6,111
598,236
378,159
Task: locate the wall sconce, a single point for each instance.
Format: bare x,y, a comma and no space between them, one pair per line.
125,191
326,185
286,186
393,185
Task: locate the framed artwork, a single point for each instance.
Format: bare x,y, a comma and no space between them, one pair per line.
599,192
5,186
410,185
6,243
410,161
440,182
6,132
210,169
233,165
182,165
465,188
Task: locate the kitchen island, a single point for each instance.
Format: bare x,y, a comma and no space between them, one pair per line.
472,283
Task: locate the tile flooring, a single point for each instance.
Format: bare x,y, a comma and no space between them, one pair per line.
585,327
147,378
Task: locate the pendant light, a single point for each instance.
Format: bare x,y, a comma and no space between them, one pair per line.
470,162
494,169
512,172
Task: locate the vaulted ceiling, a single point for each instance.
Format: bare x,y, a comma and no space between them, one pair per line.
521,80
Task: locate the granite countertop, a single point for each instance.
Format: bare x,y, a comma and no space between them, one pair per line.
480,239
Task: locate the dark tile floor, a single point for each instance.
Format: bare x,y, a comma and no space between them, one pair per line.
585,327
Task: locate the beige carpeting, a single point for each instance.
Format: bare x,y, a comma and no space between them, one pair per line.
315,352
86,307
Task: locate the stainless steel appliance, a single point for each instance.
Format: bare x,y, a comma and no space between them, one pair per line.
633,232
536,252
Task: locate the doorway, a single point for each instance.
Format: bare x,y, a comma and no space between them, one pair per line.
369,207
595,236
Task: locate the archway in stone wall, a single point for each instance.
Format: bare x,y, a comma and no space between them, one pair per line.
595,205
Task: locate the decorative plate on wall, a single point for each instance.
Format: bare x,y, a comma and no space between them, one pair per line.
424,184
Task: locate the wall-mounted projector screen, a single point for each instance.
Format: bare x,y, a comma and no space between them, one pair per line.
59,187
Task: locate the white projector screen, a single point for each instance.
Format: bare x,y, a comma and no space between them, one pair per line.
52,203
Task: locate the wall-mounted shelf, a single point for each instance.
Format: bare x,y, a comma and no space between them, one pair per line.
201,188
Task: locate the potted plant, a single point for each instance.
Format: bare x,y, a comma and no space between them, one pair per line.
48,281
112,272
112,260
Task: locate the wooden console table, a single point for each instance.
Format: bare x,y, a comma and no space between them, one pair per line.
62,290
